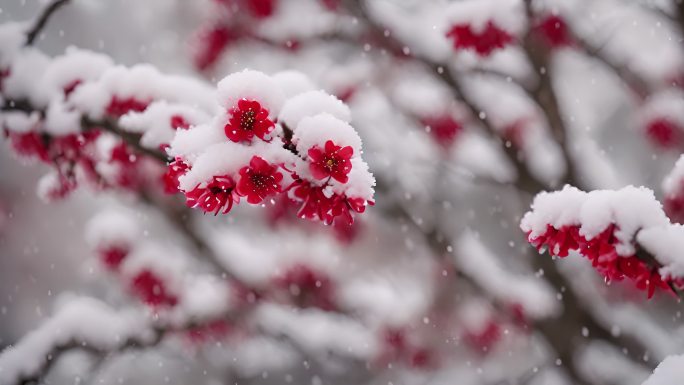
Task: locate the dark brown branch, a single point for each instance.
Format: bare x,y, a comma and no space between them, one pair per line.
42,20
131,139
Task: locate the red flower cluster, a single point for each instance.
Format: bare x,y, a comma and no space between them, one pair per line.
331,162
248,119
29,144
179,122
151,290
127,164
259,180
444,129
174,171
210,331
317,204
112,256
314,171
64,153
600,250
307,287
482,341
261,8
664,132
554,31
211,43
515,132
674,205
217,195
483,42
120,106
396,348
4,73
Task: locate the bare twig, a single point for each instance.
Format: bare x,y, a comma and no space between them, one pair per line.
42,20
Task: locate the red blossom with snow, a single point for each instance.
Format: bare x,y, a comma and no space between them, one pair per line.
210,331
248,119
261,8
515,132
664,133
554,31
28,144
111,256
326,207
179,122
674,205
121,106
175,170
444,129
483,42
331,162
211,43
601,251
71,87
217,196
259,180
126,161
398,348
307,287
150,288
484,339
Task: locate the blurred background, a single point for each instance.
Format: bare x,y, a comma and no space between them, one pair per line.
436,283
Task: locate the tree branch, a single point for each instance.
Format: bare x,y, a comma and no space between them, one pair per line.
42,20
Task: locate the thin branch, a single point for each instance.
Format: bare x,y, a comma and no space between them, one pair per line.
131,139
42,20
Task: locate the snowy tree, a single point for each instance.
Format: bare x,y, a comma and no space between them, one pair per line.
342,191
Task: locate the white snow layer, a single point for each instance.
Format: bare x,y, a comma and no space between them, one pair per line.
84,321
669,372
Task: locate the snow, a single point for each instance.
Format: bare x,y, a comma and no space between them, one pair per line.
74,65
665,243
85,321
668,104
293,82
422,27
113,226
145,84
630,209
155,122
318,331
672,184
228,158
60,120
20,122
505,14
317,130
668,372
480,156
360,183
312,103
255,355
189,144
21,84
251,85
163,260
204,297
287,24
532,293
12,38
47,185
